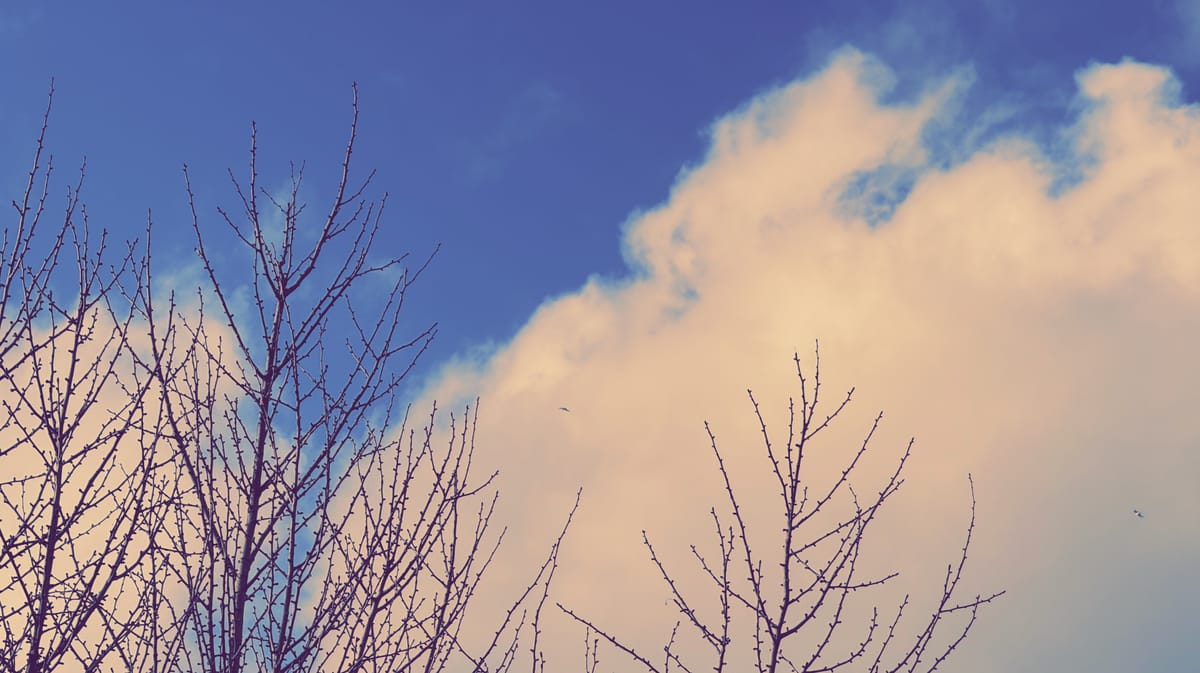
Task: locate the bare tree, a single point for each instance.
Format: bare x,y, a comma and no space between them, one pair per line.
319,529
78,441
799,600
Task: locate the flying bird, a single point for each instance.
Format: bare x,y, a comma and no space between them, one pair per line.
1139,514
564,409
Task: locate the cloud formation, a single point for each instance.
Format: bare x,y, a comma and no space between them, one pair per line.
1031,318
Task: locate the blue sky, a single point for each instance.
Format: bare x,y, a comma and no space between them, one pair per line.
633,203
520,135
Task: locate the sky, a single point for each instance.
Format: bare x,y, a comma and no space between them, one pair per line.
983,211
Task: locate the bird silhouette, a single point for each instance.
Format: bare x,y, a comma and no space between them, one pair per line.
1139,514
564,409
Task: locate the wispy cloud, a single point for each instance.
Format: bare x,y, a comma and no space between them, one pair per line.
1041,338
529,113
1186,48
16,21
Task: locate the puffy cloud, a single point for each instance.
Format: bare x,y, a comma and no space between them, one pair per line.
1031,321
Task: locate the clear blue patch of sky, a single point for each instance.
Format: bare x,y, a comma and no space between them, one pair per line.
520,135
872,196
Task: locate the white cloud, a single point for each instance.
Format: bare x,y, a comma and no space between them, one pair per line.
1045,343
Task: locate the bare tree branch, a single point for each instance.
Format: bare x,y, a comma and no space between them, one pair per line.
796,618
